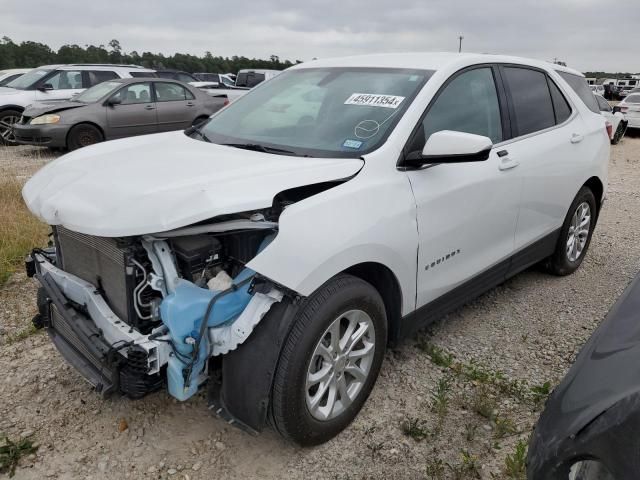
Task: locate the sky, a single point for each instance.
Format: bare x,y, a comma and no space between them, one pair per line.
589,35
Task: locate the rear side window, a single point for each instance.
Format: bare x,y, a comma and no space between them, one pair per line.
560,105
171,92
579,85
635,98
99,76
531,100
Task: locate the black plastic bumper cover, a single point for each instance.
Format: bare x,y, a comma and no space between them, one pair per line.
79,341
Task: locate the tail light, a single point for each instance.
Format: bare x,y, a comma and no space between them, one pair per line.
226,102
609,128
623,109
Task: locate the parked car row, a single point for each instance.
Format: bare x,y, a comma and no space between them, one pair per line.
42,89
115,109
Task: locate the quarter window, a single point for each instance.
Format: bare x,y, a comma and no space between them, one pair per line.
171,92
531,100
579,85
560,105
469,103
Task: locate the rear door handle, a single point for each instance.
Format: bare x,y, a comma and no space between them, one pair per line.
190,104
506,163
576,138
149,107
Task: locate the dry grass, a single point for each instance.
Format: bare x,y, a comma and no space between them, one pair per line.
20,231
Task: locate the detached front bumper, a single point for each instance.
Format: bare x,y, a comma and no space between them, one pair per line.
46,135
110,355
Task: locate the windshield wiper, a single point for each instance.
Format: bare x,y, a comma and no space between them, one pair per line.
191,130
256,147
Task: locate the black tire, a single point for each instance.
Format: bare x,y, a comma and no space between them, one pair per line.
7,119
83,135
289,411
560,263
619,133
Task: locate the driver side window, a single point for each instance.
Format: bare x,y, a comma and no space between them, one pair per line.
469,104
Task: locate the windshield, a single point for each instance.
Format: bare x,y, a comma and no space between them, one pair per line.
320,112
96,92
28,79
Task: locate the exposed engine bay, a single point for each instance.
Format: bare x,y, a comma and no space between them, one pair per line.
163,304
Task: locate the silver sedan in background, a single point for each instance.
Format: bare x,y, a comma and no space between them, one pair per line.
115,109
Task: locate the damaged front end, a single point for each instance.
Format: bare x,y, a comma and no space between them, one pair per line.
134,313
588,429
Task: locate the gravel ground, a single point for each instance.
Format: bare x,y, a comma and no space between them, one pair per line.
466,417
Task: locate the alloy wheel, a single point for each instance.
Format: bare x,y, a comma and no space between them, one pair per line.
6,128
578,231
340,365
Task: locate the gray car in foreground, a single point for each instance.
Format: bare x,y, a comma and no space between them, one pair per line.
115,109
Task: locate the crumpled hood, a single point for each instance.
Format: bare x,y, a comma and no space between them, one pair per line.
164,181
40,108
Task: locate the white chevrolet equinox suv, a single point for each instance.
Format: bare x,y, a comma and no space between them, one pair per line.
54,83
271,254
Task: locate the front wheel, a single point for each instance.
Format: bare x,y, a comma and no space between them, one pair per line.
619,133
7,119
575,235
330,361
83,135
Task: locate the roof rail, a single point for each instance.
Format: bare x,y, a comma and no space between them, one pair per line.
106,65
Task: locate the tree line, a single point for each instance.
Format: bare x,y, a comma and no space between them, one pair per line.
33,54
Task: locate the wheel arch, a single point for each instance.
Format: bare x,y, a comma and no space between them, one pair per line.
11,107
597,187
385,282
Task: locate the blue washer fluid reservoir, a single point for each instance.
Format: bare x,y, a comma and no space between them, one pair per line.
182,312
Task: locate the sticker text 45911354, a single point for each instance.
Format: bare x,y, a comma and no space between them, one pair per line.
374,100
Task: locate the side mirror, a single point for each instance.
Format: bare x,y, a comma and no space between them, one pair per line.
448,146
45,87
115,100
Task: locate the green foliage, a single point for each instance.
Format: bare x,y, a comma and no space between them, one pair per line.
436,354
11,452
440,397
515,464
33,54
415,428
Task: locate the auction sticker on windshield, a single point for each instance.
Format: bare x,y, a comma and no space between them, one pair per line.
374,100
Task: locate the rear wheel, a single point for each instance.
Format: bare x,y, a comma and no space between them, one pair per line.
330,361
7,119
619,133
83,135
575,235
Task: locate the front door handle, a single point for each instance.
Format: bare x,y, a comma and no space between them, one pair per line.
149,107
576,138
190,104
506,163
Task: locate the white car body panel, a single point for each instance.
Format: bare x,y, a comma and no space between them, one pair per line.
633,113
121,188
398,219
